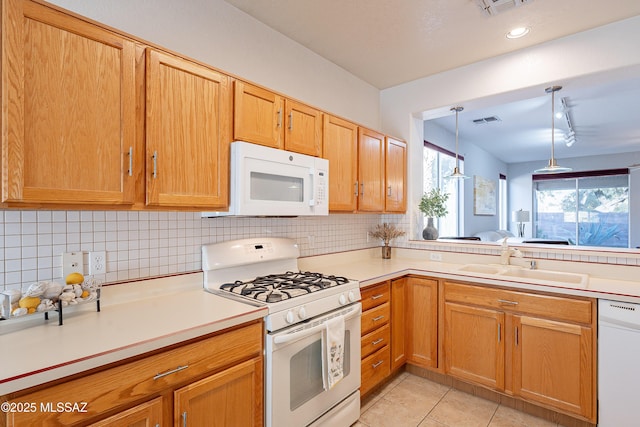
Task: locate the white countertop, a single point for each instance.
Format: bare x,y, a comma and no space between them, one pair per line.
607,281
135,318
142,316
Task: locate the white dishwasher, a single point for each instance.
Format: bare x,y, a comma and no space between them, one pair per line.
618,363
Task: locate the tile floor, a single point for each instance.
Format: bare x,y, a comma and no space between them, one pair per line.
412,401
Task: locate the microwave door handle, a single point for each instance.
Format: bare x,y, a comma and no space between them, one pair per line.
312,176
281,339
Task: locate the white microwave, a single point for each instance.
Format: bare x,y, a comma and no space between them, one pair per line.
270,182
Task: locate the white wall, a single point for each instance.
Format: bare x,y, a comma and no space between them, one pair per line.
216,33
477,162
576,59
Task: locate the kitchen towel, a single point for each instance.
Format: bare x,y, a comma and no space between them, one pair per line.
334,347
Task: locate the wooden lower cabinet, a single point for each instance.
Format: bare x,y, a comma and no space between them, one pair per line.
230,392
375,343
421,327
474,345
398,323
537,347
148,414
225,368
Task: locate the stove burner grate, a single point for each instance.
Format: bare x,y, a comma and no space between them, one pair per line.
278,287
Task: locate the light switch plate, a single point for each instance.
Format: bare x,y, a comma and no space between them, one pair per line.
72,262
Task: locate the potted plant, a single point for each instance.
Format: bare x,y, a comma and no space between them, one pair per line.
434,205
386,232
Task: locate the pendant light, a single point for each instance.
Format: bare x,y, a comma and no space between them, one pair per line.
456,170
552,166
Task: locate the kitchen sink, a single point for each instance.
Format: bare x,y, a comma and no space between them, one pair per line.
547,277
481,268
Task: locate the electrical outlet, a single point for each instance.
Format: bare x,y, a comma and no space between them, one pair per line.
434,256
97,262
72,262
312,241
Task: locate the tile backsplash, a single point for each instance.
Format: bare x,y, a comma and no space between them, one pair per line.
151,244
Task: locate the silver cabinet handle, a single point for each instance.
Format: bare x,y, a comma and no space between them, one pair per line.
155,164
378,341
173,371
516,336
291,121
355,192
279,118
389,191
504,301
130,161
378,363
362,189
184,419
375,319
499,332
375,297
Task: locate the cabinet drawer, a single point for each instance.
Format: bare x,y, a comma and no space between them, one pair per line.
375,295
375,340
375,317
554,307
117,387
375,368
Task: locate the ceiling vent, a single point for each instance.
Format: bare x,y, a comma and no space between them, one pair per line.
485,120
495,7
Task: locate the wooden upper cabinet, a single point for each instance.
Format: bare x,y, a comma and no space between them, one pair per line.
395,175
340,147
371,165
303,132
68,109
188,119
258,115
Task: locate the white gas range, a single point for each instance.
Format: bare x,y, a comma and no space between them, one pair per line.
301,306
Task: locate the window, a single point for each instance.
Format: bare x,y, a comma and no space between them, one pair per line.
438,163
502,203
585,208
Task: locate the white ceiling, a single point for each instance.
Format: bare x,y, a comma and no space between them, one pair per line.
390,42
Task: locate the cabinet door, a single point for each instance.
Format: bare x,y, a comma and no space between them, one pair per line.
147,414
188,133
232,397
340,147
422,322
303,132
68,110
474,344
395,175
398,323
258,115
553,364
370,170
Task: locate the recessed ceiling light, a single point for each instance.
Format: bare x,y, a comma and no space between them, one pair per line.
516,33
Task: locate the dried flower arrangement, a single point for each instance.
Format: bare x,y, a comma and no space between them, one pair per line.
386,232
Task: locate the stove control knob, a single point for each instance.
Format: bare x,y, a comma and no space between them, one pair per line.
289,317
352,296
342,300
302,313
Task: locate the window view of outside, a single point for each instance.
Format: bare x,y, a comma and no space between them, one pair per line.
437,166
589,210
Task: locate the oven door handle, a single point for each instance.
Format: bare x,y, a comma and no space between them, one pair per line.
280,339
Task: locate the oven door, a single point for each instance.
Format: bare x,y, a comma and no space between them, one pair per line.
295,391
